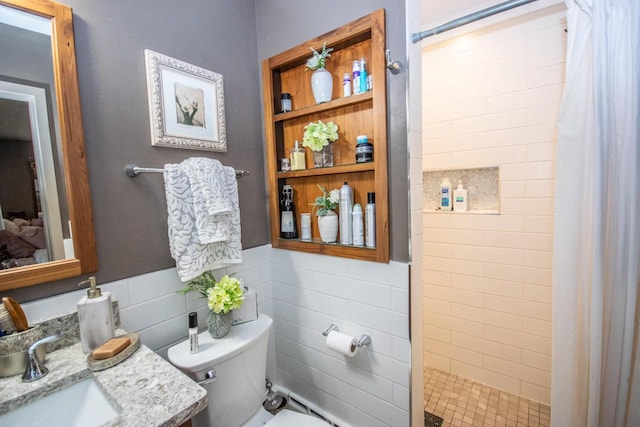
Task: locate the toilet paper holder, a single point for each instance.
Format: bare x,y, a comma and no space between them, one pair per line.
364,339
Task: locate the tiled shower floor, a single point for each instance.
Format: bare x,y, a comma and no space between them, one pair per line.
462,402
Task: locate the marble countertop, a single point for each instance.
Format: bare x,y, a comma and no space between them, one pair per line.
149,389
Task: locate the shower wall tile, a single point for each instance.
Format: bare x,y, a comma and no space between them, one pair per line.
487,278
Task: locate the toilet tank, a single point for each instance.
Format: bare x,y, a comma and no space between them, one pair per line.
239,360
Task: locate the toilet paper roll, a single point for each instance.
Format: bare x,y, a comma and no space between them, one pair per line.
342,343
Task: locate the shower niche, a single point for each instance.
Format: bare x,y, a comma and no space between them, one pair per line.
482,185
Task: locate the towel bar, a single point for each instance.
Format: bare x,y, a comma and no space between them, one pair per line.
133,171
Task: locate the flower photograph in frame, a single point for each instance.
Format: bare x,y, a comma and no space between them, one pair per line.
186,104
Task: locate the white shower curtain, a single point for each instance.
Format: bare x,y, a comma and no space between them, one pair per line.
597,216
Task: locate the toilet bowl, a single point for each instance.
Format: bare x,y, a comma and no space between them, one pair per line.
232,370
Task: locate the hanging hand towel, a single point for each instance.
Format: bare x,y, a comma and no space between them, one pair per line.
211,198
193,257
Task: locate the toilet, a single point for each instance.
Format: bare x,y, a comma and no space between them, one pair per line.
232,370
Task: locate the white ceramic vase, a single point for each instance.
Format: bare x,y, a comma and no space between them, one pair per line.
322,85
328,226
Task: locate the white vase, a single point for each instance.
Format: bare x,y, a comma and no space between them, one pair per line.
328,226
322,85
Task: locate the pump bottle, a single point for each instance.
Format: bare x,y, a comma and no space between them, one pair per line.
460,202
95,317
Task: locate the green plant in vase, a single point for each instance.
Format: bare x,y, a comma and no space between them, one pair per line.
319,59
327,218
222,296
318,137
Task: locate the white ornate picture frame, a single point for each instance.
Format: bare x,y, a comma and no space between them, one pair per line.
186,104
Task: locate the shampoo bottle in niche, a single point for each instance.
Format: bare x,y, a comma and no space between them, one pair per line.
345,206
95,317
445,194
460,198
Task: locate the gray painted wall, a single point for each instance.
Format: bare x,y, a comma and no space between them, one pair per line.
130,214
283,24
230,37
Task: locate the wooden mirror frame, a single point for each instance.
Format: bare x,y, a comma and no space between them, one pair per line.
73,154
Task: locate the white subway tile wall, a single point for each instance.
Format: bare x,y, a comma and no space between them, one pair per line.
304,294
310,292
491,98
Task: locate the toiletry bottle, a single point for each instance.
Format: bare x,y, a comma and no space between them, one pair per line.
363,75
460,198
445,194
370,217
355,80
297,158
288,219
345,205
305,226
364,149
358,226
285,102
193,332
95,317
346,85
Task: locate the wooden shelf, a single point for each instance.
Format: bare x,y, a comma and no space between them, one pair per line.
333,249
327,106
356,167
360,114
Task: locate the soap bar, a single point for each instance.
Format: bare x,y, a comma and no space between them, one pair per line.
111,348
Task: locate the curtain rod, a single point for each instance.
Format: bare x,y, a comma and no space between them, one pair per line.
133,171
476,16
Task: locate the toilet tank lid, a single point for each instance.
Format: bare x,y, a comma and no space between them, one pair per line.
212,351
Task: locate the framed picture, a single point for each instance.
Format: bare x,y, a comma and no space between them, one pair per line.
186,104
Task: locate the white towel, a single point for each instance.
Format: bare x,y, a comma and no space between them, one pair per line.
193,257
211,198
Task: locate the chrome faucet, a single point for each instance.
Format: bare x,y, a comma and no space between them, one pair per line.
35,368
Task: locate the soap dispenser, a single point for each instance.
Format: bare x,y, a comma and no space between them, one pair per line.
95,317
460,198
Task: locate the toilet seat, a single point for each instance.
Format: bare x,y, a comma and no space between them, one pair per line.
288,418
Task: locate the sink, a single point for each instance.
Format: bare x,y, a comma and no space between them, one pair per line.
84,403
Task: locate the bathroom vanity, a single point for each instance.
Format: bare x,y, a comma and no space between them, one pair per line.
145,389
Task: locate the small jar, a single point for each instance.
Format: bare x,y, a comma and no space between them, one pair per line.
364,150
285,102
285,164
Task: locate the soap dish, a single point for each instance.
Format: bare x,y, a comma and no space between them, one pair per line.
99,365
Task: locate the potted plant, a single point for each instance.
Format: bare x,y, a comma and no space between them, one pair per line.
327,219
321,79
222,297
318,136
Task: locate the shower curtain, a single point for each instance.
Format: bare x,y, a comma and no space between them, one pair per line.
597,216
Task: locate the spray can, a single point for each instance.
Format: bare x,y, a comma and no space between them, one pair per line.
370,217
345,208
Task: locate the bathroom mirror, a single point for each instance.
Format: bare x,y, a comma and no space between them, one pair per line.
59,177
